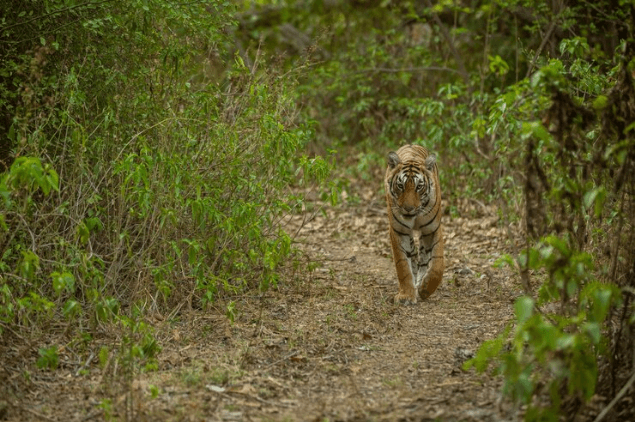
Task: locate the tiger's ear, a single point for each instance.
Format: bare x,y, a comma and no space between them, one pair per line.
393,160
431,161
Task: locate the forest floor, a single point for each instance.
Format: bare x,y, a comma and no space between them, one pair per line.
327,346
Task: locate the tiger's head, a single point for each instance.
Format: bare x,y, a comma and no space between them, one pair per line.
411,184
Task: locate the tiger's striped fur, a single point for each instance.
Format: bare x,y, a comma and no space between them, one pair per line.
413,194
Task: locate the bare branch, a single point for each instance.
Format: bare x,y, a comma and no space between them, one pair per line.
455,53
552,26
55,12
617,398
409,69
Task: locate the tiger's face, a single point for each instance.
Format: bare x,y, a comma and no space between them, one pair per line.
411,185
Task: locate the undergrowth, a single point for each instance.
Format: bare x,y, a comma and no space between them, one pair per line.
152,149
151,170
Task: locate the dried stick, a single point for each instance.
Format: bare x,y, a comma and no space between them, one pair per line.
616,398
448,39
542,45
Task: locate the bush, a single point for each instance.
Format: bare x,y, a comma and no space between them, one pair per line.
150,165
578,224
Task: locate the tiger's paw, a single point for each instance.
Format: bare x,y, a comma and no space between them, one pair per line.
405,299
424,294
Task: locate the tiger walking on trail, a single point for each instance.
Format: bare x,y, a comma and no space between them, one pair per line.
413,194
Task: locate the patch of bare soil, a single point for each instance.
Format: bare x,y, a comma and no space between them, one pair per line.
328,346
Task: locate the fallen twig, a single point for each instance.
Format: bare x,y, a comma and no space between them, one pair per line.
617,398
92,415
281,360
36,414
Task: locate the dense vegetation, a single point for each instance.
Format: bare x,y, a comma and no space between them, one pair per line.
150,149
147,171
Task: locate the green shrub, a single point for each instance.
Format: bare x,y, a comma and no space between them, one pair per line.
150,164
554,355
574,212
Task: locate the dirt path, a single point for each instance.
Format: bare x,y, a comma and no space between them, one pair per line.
334,347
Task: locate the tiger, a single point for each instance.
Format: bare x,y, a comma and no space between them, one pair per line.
413,195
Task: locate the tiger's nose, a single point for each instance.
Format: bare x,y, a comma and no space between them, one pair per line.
408,208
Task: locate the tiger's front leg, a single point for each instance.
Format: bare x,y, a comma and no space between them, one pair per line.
403,249
430,264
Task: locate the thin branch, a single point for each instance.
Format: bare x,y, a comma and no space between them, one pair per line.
617,398
44,34
455,53
409,69
290,355
7,327
92,415
227,396
552,27
85,365
54,12
36,414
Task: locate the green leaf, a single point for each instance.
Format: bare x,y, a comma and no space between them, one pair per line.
536,129
231,311
71,308
524,387
103,356
486,352
83,233
600,102
524,308
547,337
11,134
546,252
596,198
629,128
601,303
49,358
593,330
29,265
53,180
63,281
565,341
